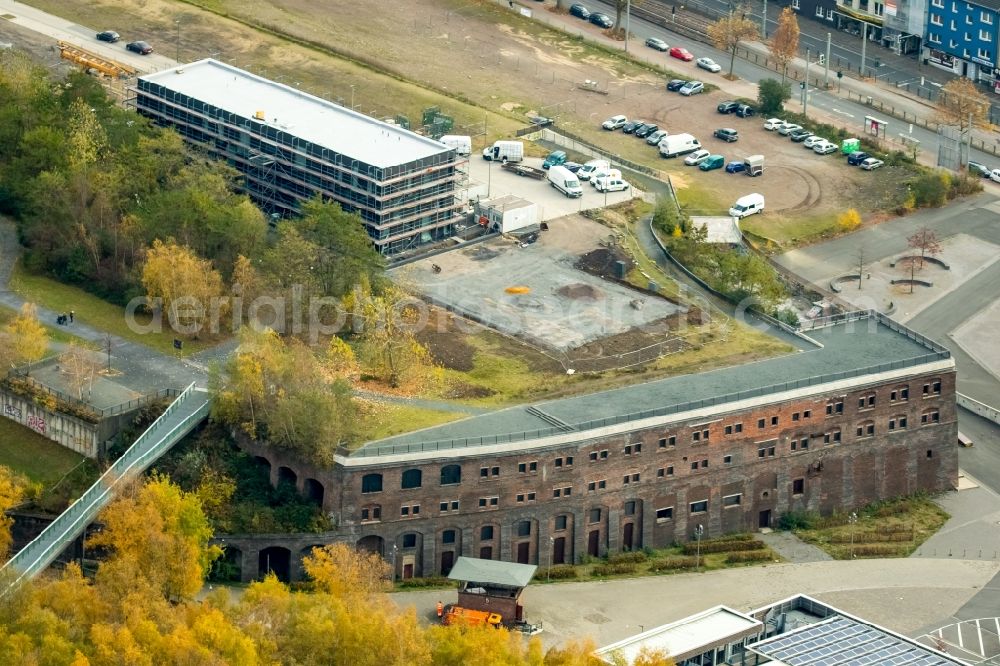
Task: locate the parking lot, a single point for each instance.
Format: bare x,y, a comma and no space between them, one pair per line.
551,202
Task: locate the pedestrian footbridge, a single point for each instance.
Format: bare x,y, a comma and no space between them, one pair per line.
180,418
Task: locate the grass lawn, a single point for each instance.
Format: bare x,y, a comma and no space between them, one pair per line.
386,420
94,311
56,333
885,529
792,230
28,453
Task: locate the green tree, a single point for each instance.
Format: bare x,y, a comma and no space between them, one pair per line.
389,350
772,95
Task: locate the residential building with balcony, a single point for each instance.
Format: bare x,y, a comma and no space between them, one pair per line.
290,146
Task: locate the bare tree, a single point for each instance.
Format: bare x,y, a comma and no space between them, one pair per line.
785,40
79,366
964,106
730,31
620,7
860,256
926,241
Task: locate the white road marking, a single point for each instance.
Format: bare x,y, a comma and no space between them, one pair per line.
843,113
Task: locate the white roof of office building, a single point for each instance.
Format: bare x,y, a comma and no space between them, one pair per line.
306,116
688,637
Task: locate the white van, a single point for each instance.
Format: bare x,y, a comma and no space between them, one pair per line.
604,172
565,181
587,170
748,205
504,151
461,144
610,184
678,144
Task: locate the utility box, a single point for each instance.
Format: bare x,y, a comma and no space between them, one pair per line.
507,213
849,146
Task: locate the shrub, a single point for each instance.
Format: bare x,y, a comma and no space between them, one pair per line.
849,220
787,316
723,546
558,572
798,520
634,557
749,556
432,581
963,185
930,190
614,569
666,218
772,95
673,564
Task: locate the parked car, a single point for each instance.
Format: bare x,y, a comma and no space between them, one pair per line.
871,164
657,43
646,130
712,162
736,166
614,122
579,11
995,175
697,157
676,84
728,106
591,167
681,54
108,36
692,88
656,137
825,148
799,136
601,20
813,140
772,124
632,126
977,169
727,134
142,48
572,166
788,128
611,184
555,158
857,157
709,64
745,111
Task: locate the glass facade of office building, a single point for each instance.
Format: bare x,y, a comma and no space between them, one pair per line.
402,206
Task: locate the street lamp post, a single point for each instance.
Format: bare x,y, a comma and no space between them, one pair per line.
177,41
698,531
628,12
394,549
352,97
852,519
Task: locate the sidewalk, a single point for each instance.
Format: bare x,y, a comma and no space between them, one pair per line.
972,532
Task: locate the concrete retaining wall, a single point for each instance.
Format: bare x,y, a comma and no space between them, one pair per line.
976,407
73,433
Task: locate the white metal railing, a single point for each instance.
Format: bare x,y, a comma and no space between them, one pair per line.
190,407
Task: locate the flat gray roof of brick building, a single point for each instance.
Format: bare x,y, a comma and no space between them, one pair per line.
853,349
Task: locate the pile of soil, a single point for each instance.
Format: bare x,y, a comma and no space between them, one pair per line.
446,345
580,292
601,262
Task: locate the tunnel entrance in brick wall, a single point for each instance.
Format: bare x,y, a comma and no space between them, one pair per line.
276,560
229,567
372,544
287,475
313,491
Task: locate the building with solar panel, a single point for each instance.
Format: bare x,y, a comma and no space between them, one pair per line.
290,146
798,631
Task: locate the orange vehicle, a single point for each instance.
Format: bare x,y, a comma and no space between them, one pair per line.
475,618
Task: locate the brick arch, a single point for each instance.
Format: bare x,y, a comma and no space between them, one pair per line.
487,549
630,535
372,543
524,540
408,551
276,559
229,567
447,552
562,535
595,530
287,474
314,491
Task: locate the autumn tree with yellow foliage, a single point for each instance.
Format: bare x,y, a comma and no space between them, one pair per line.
186,286
28,339
389,349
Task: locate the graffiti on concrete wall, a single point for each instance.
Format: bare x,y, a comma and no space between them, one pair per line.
37,423
12,411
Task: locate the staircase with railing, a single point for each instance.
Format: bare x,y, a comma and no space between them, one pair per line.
180,418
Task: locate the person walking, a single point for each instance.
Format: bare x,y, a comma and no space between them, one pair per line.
440,610
71,315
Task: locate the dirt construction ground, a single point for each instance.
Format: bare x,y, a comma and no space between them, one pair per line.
483,52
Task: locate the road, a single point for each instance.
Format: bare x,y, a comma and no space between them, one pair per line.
60,29
838,109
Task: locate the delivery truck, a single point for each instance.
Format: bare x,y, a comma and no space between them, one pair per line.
504,151
678,144
565,181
